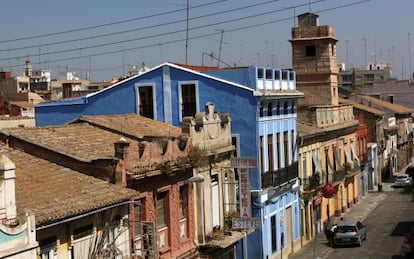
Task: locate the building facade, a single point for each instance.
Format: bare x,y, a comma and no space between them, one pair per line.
17,229
72,215
327,131
262,103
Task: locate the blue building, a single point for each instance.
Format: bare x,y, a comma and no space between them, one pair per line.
262,103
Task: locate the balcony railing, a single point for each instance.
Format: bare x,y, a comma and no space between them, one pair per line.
340,175
311,183
281,176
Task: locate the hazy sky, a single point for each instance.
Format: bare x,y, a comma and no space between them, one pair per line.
107,38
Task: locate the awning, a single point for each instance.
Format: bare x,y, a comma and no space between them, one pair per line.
355,155
330,163
348,156
337,158
316,162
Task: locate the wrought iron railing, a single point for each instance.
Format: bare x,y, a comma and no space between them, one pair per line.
281,176
311,183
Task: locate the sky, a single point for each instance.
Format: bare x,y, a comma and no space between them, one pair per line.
103,39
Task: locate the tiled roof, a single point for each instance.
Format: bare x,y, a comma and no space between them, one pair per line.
86,142
53,192
362,107
390,106
306,129
133,125
80,141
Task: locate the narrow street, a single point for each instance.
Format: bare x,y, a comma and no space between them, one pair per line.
386,226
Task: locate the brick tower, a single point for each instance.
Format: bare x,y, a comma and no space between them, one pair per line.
314,60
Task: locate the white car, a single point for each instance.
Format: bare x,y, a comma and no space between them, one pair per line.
402,180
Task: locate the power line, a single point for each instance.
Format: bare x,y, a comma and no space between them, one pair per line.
141,28
106,24
200,36
171,32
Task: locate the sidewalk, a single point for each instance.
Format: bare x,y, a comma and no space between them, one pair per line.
319,249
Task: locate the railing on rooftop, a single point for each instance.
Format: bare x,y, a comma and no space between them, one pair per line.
329,115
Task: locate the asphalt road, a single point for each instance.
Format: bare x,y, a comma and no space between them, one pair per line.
386,228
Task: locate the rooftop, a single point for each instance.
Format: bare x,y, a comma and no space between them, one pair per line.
53,192
387,105
93,137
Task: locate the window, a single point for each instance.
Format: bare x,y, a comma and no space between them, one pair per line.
285,74
261,110
137,218
335,158
285,108
310,51
47,247
278,149
270,109
183,201
146,101
277,74
278,109
188,100
270,152
82,231
304,166
161,210
293,144
261,154
286,147
274,236
82,241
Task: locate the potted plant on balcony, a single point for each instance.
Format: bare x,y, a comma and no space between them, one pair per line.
348,166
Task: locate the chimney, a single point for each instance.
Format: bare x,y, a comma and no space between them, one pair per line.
8,212
121,148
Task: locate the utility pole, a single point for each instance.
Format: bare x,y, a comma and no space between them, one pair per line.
365,51
346,43
409,59
221,43
186,36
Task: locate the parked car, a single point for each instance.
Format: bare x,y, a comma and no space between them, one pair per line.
410,171
349,233
402,180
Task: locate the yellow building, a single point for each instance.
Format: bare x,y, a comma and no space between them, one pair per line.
327,129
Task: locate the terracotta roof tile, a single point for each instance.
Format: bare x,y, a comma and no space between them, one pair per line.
390,106
133,125
53,192
78,140
362,106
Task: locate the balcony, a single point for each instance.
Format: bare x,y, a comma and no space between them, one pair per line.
344,172
281,176
311,183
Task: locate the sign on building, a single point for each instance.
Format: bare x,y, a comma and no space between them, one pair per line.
148,240
242,223
244,188
243,162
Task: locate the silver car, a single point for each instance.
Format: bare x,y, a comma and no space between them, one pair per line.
349,233
402,180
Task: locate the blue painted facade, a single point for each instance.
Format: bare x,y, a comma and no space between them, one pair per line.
262,105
